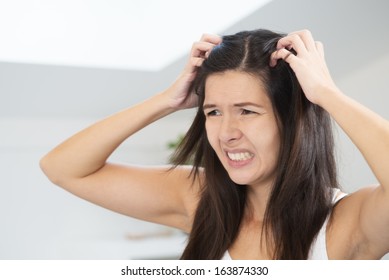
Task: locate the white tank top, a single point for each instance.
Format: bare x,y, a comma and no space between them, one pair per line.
318,249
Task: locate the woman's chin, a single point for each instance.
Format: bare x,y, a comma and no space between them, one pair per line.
240,181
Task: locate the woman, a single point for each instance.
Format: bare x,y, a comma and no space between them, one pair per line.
263,183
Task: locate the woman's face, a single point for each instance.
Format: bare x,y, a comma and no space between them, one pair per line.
241,127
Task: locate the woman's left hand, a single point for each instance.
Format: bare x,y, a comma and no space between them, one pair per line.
308,64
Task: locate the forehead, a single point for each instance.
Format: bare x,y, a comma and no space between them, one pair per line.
235,86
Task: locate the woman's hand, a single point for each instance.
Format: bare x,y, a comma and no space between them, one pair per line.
178,92
308,63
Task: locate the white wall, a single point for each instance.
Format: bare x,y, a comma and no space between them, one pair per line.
370,87
42,221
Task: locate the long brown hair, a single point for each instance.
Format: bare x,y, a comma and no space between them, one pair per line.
306,172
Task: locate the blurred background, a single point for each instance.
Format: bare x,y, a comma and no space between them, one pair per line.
67,64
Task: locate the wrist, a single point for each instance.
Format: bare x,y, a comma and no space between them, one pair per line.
328,96
162,104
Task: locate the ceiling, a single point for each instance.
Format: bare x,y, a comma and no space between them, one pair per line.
354,33
118,34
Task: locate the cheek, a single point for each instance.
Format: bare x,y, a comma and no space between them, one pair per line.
210,131
273,147
266,140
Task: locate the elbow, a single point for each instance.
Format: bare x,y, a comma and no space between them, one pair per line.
48,168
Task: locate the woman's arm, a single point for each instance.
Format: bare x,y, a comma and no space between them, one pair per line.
80,165
368,131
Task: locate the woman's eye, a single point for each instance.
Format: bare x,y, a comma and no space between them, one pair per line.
213,113
247,112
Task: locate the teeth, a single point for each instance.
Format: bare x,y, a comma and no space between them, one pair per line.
239,156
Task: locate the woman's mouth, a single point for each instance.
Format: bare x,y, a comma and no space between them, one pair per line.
241,156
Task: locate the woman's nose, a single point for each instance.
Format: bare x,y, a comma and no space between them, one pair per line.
229,130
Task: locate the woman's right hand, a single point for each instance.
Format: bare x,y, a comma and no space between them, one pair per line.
178,92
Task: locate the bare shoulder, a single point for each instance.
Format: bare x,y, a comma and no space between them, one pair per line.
345,239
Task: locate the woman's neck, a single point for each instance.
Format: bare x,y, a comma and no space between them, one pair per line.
257,199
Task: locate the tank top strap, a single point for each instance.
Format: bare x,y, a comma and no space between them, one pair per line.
319,246
337,196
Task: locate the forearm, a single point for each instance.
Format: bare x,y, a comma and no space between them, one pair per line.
368,131
87,151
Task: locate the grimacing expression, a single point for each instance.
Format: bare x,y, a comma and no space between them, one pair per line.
241,127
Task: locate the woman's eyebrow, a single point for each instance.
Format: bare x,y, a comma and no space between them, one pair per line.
244,104
208,106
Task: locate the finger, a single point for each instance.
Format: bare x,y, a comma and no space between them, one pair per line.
307,38
211,38
320,48
196,61
292,41
200,48
193,63
283,54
